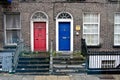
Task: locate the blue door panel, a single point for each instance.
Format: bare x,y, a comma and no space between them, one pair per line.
64,36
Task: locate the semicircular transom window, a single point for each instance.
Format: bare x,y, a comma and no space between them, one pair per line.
64,16
39,15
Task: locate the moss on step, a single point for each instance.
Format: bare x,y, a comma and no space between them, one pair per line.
34,54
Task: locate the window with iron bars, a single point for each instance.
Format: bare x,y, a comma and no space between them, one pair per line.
108,64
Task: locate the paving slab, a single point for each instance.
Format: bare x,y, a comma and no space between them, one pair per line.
91,77
4,76
15,77
40,78
117,77
28,78
63,78
83,77
51,77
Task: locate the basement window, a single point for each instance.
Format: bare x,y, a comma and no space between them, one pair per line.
108,64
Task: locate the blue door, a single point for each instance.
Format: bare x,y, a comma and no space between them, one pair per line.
64,36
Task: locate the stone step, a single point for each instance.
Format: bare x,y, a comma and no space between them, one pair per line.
68,62
68,71
33,62
67,65
33,66
33,58
32,69
26,71
33,73
67,59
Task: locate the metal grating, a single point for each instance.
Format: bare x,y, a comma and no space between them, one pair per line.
107,77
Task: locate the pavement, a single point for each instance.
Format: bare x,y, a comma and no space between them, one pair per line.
5,76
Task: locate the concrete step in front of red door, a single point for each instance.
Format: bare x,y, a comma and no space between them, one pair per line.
33,65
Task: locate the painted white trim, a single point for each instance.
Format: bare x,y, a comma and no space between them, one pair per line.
93,23
64,12
32,30
71,35
5,37
118,23
41,12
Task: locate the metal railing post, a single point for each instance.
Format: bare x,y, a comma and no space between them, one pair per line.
16,55
51,57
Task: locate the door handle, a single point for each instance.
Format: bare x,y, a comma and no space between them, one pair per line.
64,37
36,39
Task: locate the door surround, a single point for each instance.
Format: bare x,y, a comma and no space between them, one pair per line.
64,17
38,16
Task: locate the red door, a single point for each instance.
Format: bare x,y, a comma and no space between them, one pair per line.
39,36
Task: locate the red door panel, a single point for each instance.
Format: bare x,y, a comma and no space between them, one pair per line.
39,36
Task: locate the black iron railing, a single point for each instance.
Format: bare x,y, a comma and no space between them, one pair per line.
104,60
101,60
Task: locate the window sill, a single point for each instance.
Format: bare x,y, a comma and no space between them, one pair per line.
116,46
11,46
94,46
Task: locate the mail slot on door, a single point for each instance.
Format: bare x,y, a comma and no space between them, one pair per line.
65,37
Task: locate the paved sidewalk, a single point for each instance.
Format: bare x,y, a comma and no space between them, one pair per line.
56,77
117,77
47,77
83,77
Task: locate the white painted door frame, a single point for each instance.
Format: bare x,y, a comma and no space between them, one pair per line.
71,33
32,31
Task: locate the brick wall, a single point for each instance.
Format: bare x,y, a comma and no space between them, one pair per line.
1,28
105,9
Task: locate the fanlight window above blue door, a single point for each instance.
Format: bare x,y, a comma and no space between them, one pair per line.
64,15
